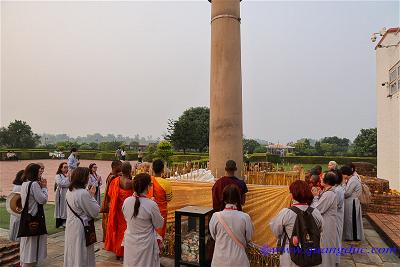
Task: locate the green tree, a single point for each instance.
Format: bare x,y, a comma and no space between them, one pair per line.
164,151
191,130
334,145
250,145
365,143
18,134
150,153
134,145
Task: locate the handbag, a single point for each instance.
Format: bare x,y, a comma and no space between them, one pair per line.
90,231
32,225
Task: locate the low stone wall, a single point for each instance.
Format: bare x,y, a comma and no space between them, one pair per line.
376,185
383,203
9,253
365,168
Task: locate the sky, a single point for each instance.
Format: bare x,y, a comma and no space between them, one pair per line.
308,68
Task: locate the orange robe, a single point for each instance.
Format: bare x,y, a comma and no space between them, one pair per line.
161,191
105,205
116,224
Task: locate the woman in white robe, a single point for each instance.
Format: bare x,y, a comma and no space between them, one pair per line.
33,248
326,203
95,180
82,202
14,220
353,225
339,191
62,182
142,217
302,198
231,251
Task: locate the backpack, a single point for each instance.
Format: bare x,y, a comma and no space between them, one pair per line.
307,252
365,197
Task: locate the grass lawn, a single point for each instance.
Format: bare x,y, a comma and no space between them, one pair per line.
49,214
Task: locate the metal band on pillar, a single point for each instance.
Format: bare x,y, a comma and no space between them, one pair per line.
225,16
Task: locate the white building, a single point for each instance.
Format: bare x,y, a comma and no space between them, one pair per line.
388,106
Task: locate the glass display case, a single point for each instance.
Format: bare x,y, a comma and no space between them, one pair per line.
192,236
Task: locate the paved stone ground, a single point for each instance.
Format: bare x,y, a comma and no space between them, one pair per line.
55,249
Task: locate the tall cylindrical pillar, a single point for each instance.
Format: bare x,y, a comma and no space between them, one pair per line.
226,127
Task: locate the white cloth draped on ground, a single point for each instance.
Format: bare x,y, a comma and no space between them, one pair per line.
227,252
76,253
31,249
262,204
140,244
326,203
353,225
286,218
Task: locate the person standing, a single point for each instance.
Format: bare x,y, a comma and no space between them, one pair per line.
105,205
14,220
140,156
283,224
118,154
232,230
119,189
161,192
123,154
326,203
339,191
229,178
353,228
73,161
34,195
143,217
95,180
82,208
62,182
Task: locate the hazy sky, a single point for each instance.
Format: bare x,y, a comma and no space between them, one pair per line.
127,67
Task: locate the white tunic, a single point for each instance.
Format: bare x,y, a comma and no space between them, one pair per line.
327,206
62,182
94,182
30,252
339,191
140,244
352,205
226,251
76,253
286,218
14,220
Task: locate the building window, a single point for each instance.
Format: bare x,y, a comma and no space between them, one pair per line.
394,79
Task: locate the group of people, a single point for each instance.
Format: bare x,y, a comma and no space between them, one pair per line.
135,213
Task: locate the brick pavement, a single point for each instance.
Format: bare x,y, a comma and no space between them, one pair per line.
105,259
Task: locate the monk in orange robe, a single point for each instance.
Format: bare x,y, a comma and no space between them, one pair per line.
105,205
119,189
161,193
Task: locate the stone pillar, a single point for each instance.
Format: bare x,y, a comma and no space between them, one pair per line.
226,127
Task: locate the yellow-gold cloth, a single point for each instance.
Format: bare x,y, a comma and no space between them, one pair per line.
262,204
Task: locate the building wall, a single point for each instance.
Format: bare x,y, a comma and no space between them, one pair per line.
388,117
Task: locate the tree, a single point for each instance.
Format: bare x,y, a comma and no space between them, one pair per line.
334,145
191,130
134,145
18,134
365,143
250,145
150,153
164,151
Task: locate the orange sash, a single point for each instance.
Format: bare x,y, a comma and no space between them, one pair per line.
160,197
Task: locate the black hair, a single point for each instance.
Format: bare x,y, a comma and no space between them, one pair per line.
115,163
140,184
230,166
59,170
346,170
330,178
31,172
91,165
352,166
126,168
79,178
158,166
231,194
315,171
339,175
19,178
74,149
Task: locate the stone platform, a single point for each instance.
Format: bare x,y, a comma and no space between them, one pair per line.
388,227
